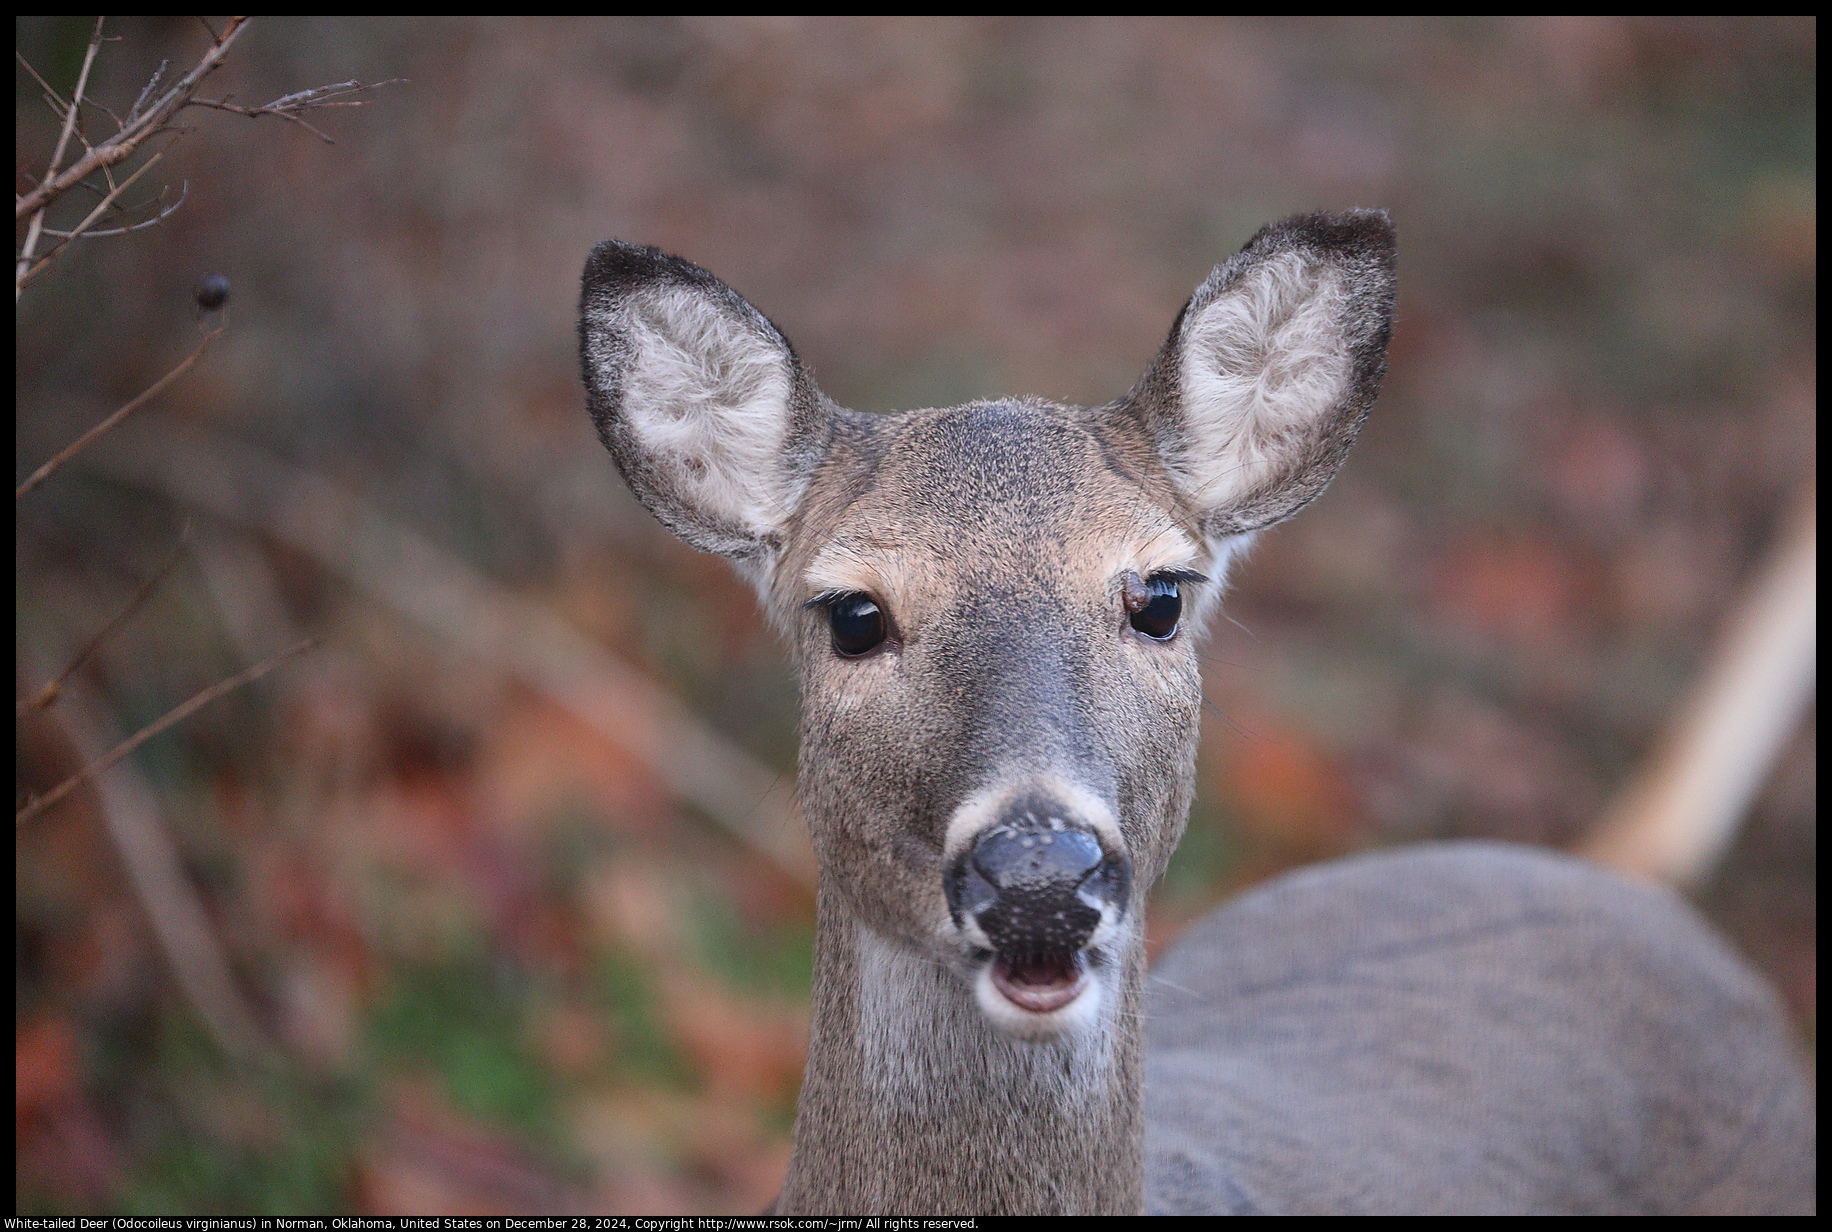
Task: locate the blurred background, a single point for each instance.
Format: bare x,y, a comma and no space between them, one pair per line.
489,903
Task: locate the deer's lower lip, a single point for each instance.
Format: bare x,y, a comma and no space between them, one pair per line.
1040,982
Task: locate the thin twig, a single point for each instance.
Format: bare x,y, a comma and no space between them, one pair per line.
288,106
76,99
299,97
144,120
36,226
56,100
406,573
38,804
100,209
135,131
160,217
74,447
45,696
182,928
146,92
251,112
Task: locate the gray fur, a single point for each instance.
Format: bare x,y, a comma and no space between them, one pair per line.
1471,1029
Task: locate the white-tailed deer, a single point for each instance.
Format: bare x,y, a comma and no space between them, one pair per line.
994,609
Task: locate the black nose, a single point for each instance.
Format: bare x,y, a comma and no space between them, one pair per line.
1037,881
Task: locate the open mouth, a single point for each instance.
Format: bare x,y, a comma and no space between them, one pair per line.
1040,983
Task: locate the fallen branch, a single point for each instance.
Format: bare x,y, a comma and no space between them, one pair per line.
181,927
1673,822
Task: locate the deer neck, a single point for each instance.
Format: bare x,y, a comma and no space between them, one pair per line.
912,1103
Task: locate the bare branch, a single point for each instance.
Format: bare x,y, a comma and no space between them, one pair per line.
1675,819
179,713
146,92
71,450
145,119
410,575
135,131
36,226
27,274
289,106
161,216
181,925
52,97
45,696
76,99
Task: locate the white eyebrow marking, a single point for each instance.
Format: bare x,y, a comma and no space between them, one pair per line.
838,567
1169,549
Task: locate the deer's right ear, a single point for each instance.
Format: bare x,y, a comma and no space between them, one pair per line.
1271,367
703,404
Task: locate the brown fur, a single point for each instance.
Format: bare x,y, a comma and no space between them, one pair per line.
996,537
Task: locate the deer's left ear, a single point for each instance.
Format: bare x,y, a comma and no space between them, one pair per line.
1271,368
703,404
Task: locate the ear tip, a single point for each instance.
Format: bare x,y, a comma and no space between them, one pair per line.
1360,232
614,256
615,265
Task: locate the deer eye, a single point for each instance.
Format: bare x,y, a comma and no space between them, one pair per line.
857,623
1155,604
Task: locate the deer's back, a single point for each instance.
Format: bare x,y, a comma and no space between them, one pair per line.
1469,1028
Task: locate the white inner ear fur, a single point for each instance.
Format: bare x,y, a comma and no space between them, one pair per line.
1260,365
707,398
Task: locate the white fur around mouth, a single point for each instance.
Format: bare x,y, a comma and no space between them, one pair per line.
1058,999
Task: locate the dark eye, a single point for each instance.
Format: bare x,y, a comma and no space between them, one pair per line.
1155,604
857,622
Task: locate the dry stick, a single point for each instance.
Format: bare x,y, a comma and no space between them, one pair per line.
136,130
181,926
33,271
146,91
141,124
38,804
45,696
288,107
1674,820
142,225
407,573
73,448
63,141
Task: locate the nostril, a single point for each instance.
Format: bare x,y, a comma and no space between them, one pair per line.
1109,882
970,893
